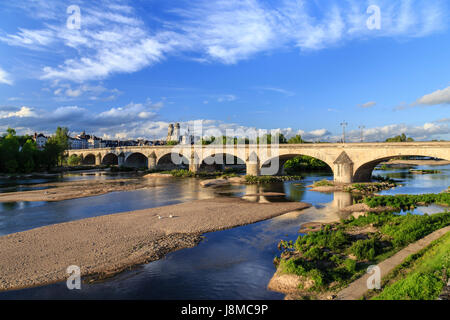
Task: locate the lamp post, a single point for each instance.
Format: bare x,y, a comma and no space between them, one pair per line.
362,132
343,124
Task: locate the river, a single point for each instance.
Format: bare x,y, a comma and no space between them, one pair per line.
230,264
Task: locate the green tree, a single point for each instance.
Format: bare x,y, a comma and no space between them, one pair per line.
305,163
296,140
73,160
51,154
61,139
9,152
27,156
267,138
400,138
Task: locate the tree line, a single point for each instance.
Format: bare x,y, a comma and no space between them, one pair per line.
19,153
267,138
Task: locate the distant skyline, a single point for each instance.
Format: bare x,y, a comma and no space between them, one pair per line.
126,69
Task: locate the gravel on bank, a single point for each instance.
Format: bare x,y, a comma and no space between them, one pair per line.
58,191
105,245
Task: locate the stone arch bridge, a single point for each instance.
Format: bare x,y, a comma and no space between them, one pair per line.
350,162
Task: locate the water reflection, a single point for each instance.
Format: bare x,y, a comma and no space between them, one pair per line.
230,264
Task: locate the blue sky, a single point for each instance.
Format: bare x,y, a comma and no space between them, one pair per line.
303,67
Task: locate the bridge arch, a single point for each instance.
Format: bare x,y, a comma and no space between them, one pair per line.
275,165
221,161
172,160
136,160
363,173
110,159
89,159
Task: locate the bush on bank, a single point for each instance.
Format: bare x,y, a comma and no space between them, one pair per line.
270,179
339,253
405,202
305,163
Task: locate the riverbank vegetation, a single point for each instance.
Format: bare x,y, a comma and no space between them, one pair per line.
184,173
329,259
422,276
424,171
305,163
369,188
270,179
19,154
408,201
323,183
362,188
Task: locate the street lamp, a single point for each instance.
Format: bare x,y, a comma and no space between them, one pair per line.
362,132
343,124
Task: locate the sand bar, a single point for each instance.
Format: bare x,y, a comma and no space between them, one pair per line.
105,245
57,191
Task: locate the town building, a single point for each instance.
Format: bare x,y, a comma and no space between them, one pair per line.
173,133
40,140
76,143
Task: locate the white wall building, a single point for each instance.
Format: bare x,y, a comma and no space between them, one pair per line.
41,140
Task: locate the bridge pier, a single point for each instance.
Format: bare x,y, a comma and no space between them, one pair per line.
343,169
194,164
152,161
253,169
98,159
121,159
252,165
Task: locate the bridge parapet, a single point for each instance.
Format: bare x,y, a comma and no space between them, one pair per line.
356,165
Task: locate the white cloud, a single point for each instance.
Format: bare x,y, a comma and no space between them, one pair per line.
226,98
120,58
115,39
426,131
369,104
277,90
227,31
5,77
435,98
140,120
67,92
22,112
31,39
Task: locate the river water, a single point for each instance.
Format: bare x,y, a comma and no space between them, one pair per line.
230,264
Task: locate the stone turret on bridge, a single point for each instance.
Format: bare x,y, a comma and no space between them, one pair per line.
351,162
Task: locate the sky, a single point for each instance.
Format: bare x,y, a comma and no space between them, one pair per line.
126,69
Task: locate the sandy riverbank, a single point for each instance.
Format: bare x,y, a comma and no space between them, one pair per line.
368,187
108,244
57,191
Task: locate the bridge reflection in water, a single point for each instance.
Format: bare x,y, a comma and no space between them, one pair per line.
257,193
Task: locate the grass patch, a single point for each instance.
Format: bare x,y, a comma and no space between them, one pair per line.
183,173
421,277
341,252
323,183
270,179
405,202
369,188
